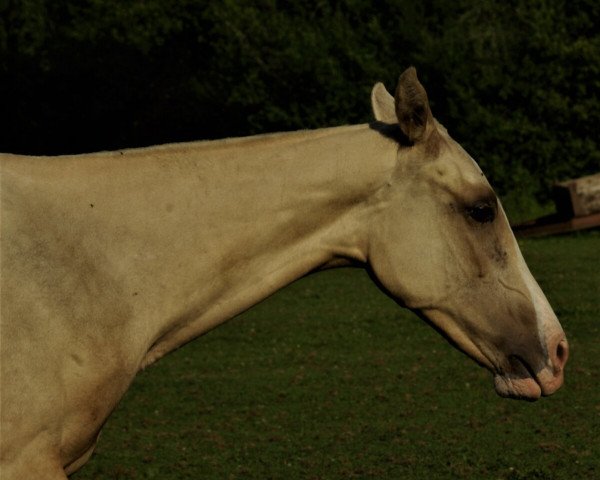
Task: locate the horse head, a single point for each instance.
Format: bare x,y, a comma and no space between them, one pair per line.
440,244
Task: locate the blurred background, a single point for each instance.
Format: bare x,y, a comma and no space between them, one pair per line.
517,82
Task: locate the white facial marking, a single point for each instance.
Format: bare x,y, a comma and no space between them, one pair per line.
546,320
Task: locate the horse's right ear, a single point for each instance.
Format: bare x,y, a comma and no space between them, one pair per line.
412,106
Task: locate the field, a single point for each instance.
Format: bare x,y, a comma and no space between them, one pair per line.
329,379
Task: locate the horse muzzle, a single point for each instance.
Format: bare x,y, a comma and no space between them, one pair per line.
522,381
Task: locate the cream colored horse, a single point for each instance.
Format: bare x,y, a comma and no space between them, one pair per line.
112,260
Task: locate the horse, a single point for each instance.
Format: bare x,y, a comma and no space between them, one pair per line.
112,260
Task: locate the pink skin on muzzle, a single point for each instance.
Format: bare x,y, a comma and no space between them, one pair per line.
521,382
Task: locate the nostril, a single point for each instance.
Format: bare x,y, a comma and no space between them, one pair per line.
562,353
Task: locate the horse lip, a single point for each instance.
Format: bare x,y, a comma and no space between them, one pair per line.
522,363
519,381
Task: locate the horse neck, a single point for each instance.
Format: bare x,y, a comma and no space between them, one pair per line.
203,231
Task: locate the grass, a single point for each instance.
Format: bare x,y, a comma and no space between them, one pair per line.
329,379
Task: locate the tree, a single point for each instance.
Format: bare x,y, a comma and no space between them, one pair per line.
522,81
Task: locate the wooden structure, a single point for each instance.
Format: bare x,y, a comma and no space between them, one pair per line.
577,208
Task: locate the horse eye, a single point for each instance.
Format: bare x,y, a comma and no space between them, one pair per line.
482,213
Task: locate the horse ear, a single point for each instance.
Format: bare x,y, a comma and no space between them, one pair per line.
412,106
382,104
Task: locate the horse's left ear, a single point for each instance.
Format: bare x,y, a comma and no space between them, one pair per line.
382,104
412,106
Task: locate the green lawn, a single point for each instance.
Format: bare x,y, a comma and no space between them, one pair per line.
329,379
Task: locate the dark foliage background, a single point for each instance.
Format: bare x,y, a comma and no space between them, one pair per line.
517,82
